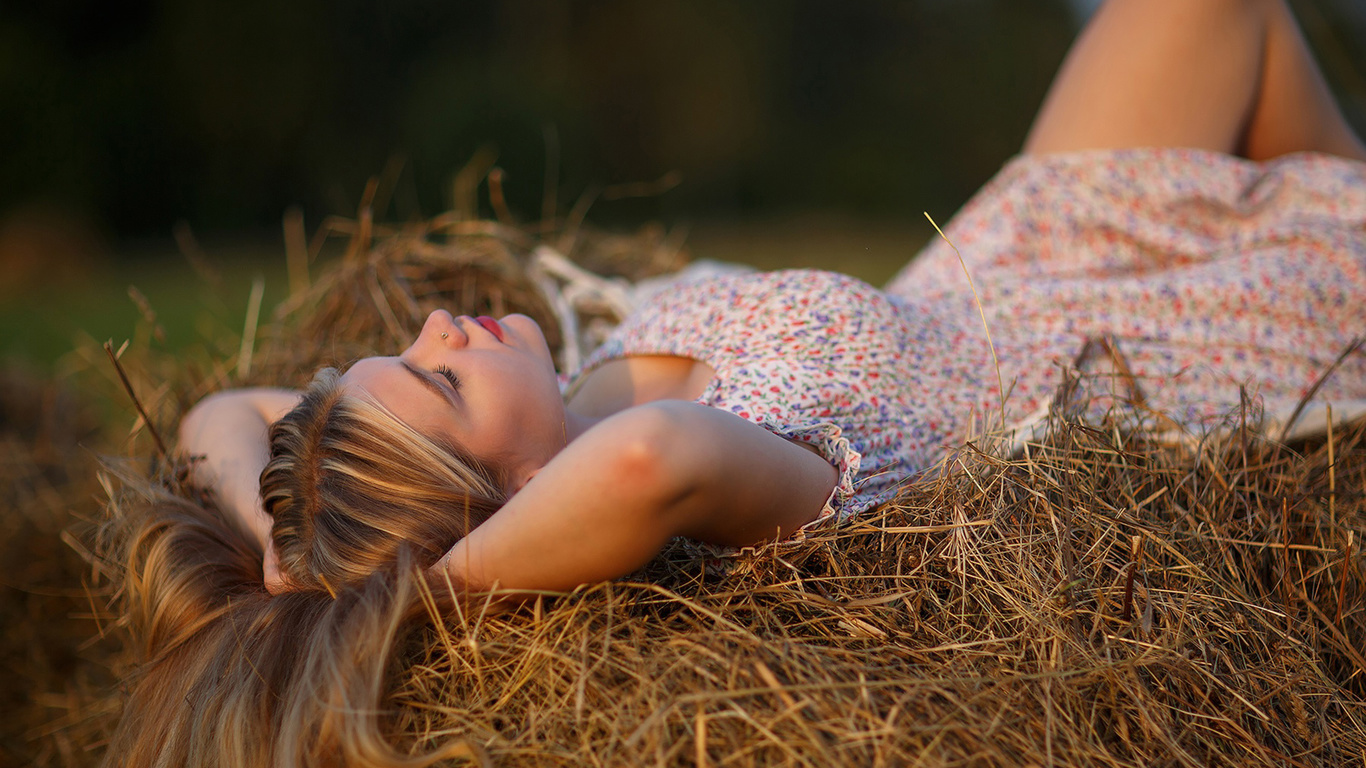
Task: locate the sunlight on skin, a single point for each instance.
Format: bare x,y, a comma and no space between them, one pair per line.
498,398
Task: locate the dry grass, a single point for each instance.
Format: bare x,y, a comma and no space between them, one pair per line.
1102,600
55,671
996,616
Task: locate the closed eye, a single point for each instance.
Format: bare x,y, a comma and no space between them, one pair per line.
450,376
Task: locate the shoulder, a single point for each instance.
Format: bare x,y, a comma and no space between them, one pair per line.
749,287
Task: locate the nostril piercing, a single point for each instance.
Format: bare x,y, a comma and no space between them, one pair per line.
445,335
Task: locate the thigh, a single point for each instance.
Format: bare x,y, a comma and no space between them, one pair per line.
1172,73
1295,110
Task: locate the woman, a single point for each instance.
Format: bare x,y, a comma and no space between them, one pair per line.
741,410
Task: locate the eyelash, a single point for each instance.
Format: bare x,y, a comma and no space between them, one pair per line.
450,376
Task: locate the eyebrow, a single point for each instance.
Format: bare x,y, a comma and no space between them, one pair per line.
429,381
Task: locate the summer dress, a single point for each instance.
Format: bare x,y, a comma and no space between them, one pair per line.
1212,280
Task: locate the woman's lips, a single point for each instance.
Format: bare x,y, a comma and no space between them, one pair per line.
491,326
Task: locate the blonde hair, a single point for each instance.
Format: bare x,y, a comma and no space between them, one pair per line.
349,484
232,676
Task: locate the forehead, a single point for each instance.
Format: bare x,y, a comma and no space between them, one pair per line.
369,365
368,372
386,381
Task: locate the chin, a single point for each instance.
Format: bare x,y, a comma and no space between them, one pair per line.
525,328
522,322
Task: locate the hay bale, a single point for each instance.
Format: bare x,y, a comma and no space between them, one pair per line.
1103,600
373,302
52,669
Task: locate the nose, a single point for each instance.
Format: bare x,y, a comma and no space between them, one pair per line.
442,329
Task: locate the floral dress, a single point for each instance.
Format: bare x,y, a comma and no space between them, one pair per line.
1185,282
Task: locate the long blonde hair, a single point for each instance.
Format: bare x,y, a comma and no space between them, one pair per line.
231,675
349,483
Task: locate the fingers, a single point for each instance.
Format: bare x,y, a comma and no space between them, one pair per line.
275,580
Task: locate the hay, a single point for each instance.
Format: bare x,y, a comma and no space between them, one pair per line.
996,616
57,677
1104,600
375,300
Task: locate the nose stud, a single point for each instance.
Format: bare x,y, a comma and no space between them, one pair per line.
445,335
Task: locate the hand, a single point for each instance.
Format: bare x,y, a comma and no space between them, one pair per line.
275,580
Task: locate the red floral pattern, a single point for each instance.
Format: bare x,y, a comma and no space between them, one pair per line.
1214,276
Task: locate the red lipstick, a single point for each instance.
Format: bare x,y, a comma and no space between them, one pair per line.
491,326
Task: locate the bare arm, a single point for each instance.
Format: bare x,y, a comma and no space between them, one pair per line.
228,430
610,501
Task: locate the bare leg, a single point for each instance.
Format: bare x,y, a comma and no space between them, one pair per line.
1294,109
1233,76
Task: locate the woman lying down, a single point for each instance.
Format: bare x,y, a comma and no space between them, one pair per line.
1189,194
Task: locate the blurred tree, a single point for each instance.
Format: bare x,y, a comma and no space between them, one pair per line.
136,113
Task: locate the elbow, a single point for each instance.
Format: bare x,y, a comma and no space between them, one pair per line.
641,461
200,426
650,464
192,423
232,410
209,406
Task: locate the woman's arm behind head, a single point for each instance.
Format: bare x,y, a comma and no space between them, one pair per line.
224,436
230,675
609,502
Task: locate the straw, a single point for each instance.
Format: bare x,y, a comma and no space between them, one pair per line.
1104,598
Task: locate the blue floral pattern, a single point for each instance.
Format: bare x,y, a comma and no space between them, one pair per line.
1214,276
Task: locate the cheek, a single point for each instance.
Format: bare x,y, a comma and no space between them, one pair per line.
536,408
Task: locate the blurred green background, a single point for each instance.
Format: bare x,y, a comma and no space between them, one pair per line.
804,132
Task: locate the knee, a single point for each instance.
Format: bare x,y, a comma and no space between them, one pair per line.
1243,9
